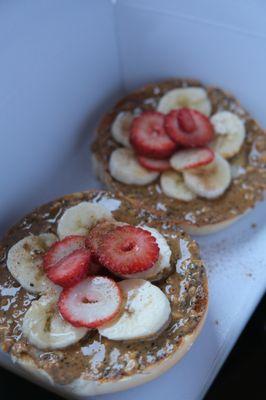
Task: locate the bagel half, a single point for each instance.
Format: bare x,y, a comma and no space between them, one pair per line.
198,216
69,370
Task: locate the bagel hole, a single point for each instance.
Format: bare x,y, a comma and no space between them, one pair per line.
85,300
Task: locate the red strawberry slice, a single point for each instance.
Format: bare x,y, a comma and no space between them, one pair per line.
61,249
95,237
148,136
91,302
191,158
188,127
70,269
128,249
186,120
154,164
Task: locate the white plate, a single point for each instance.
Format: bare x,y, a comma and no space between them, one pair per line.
63,64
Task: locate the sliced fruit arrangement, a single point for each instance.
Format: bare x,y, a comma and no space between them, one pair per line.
146,313
45,328
79,219
91,303
195,98
180,135
128,249
61,249
189,128
230,133
210,181
173,185
74,297
41,262
191,158
96,235
162,264
121,128
148,136
25,261
67,261
125,168
154,164
70,269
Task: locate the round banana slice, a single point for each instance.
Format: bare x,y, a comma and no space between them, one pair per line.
191,97
147,311
125,168
163,262
210,181
45,328
24,262
173,185
79,219
121,128
230,133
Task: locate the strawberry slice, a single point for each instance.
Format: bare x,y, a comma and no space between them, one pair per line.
128,249
67,261
154,164
91,302
186,120
70,269
62,249
95,237
148,136
189,127
191,158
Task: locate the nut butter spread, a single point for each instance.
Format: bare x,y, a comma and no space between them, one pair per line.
95,357
248,166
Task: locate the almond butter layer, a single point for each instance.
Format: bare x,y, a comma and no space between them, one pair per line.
95,357
249,165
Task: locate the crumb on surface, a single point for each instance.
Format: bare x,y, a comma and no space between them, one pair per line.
253,225
216,322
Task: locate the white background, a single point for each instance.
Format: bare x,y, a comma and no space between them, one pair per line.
64,62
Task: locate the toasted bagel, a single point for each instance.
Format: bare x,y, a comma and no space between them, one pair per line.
199,215
74,368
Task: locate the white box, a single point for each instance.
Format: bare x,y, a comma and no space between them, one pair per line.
62,63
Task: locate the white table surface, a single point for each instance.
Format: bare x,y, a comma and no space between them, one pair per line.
62,64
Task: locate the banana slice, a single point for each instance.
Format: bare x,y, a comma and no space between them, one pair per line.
125,168
45,328
120,128
230,133
24,262
191,97
163,262
79,219
173,185
210,181
147,311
